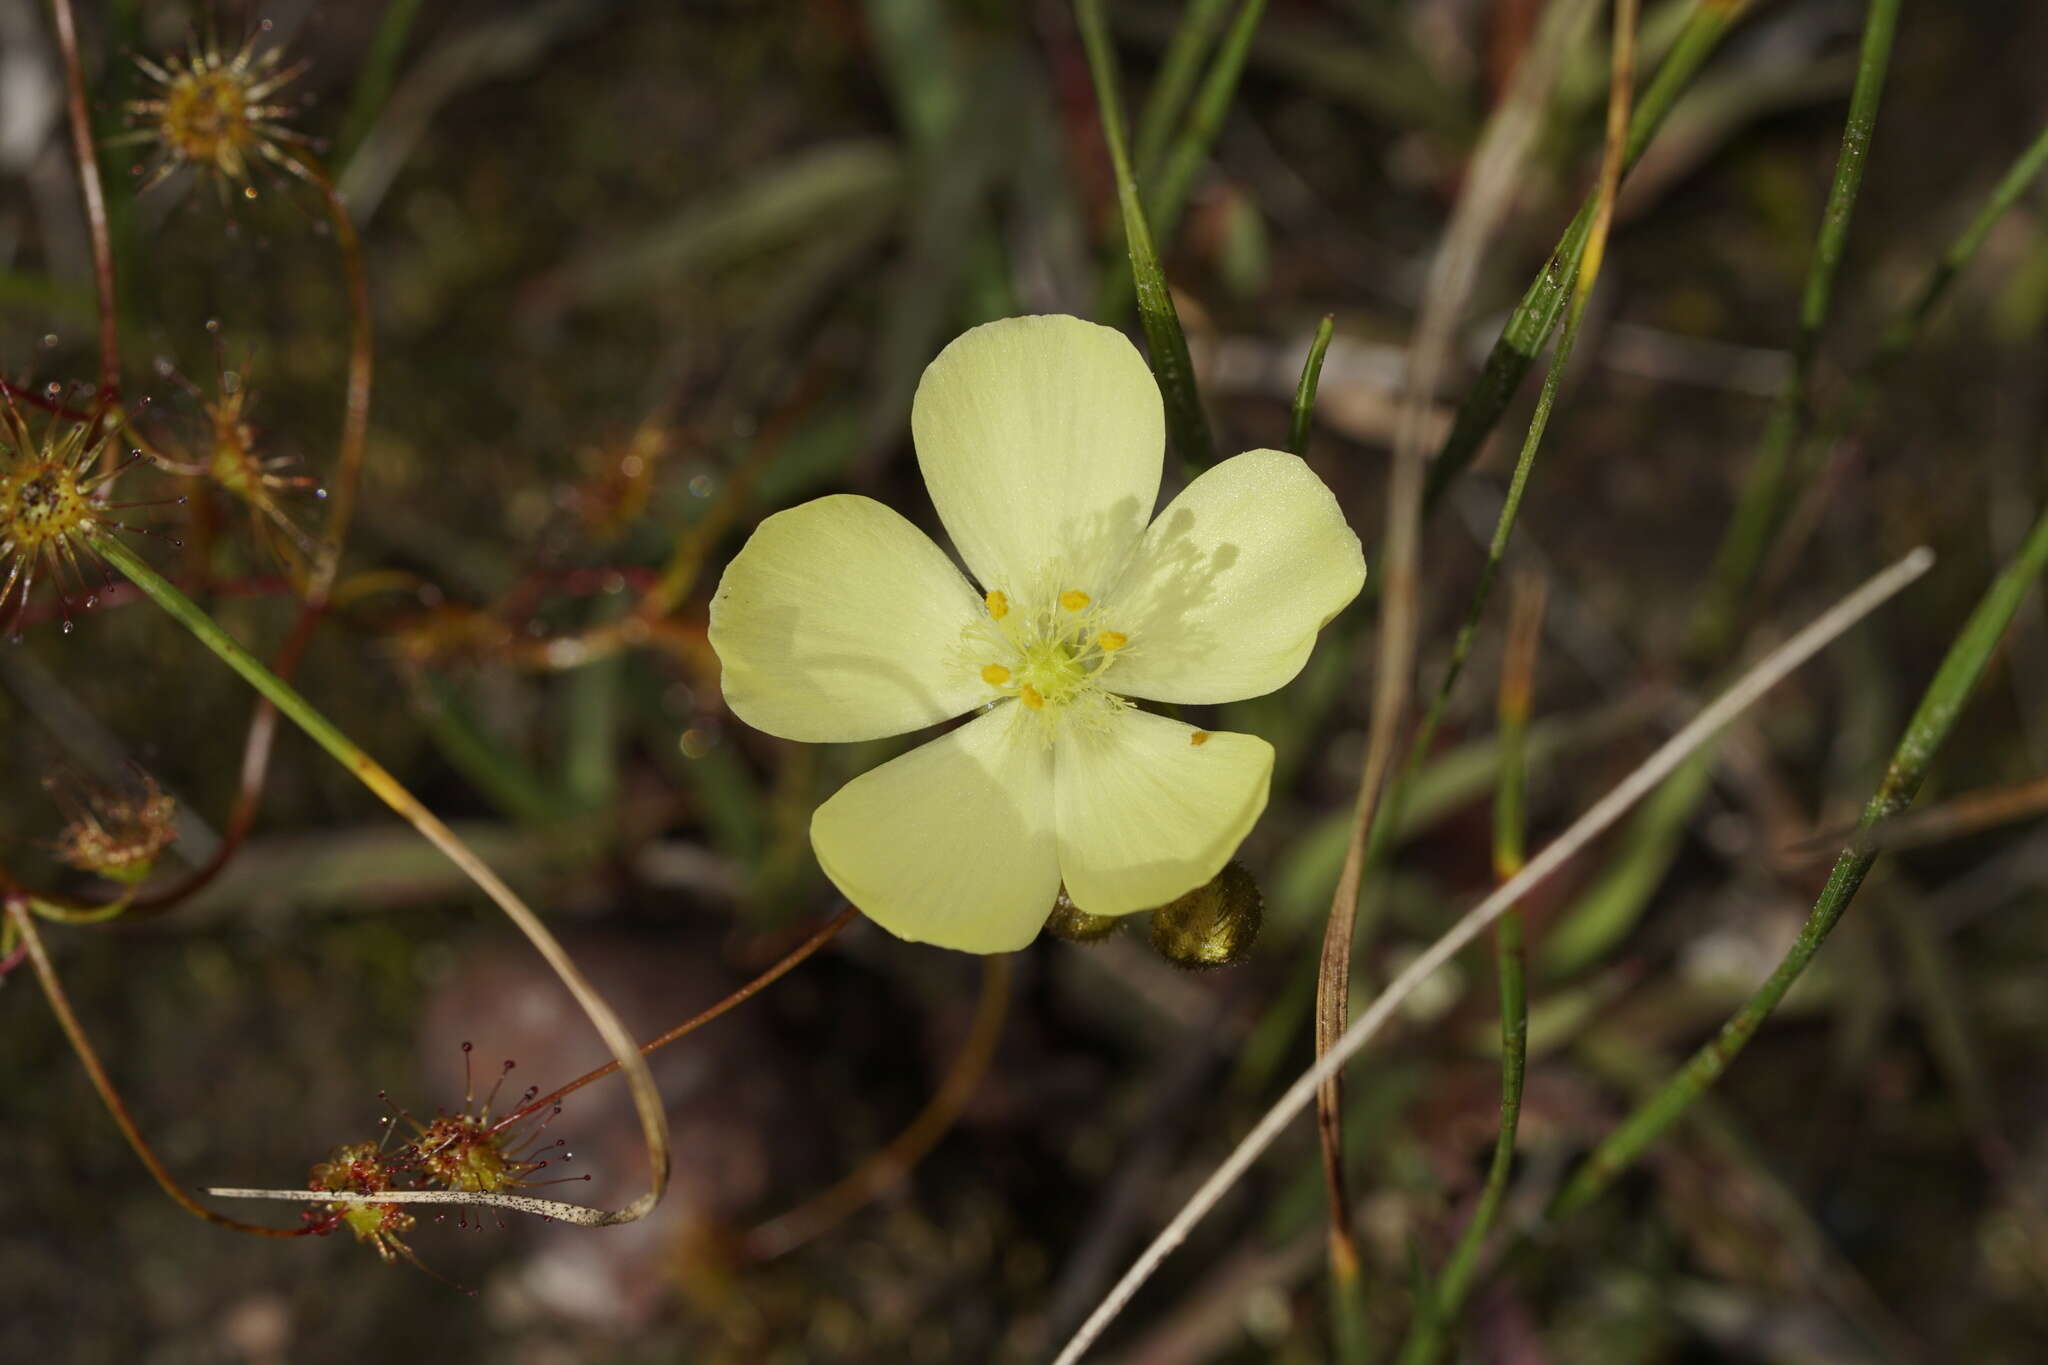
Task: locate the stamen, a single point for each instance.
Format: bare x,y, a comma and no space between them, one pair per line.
1029,696
1110,640
1073,599
995,675
1199,737
998,603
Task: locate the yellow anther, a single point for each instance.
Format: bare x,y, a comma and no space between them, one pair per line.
1112,640
998,604
995,675
1029,696
1073,599
1199,737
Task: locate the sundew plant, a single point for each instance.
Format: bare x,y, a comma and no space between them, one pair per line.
1348,680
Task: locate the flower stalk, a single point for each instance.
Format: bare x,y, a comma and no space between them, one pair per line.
646,1100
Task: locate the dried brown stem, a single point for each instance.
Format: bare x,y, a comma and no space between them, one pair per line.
1479,214
1952,819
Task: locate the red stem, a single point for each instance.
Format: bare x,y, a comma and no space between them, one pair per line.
744,993
37,400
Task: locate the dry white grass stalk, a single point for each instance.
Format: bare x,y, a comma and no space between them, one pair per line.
555,1210
1771,670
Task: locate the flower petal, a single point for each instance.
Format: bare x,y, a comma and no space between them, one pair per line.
1149,808
838,621
951,843
1041,440
1226,592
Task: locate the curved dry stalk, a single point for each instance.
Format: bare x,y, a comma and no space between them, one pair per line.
647,1103
555,1210
355,416
24,925
1771,670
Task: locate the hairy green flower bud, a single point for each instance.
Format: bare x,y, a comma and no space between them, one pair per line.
1214,924
1070,922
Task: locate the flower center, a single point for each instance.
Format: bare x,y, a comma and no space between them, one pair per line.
207,111
41,506
1049,657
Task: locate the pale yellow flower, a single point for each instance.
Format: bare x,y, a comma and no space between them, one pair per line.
1041,441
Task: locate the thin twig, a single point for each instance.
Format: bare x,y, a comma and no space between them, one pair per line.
1673,752
1952,819
1621,83
94,190
818,939
355,413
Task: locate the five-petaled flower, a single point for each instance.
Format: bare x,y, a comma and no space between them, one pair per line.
1041,440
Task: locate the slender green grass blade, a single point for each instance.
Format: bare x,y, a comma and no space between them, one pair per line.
1656,831
1766,485
1184,160
1164,338
1906,328
1923,738
374,81
505,778
1532,321
913,40
1168,98
1436,1314
1305,392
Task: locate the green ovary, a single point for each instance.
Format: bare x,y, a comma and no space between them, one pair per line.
1048,658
